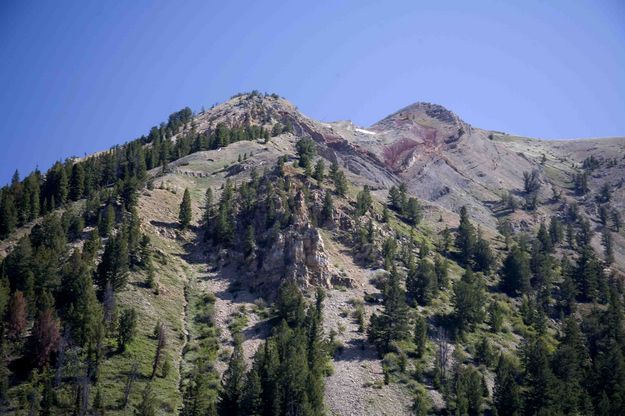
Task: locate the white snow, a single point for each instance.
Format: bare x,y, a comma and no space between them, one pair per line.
365,131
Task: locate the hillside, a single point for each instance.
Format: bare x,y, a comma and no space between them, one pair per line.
419,265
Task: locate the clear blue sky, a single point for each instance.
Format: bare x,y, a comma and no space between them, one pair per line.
80,76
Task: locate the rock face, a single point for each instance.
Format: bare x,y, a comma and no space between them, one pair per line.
297,253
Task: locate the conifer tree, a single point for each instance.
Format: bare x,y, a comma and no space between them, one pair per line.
77,182
340,183
465,238
363,201
420,335
127,328
506,394
185,210
483,256
392,323
538,378
106,221
8,213
421,283
319,173
413,211
113,267
469,299
515,272
606,238
328,208
232,384
17,315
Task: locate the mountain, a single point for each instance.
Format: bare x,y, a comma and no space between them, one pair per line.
444,253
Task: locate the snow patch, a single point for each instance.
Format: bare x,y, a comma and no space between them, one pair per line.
365,131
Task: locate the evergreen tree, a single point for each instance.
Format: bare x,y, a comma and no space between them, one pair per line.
185,210
127,328
465,238
77,182
233,381
113,267
392,323
588,275
328,208
319,173
8,213
363,201
421,283
106,221
538,378
469,299
340,183
306,151
506,394
515,272
483,256
420,335
413,211
606,238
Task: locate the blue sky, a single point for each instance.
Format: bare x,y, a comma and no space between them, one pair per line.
80,76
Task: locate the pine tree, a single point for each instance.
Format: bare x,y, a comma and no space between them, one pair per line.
233,381
319,173
106,221
483,256
465,238
413,211
77,182
421,283
363,201
8,213
420,335
327,211
515,272
127,328
392,323
496,316
340,183
249,245
607,246
185,210
469,299
113,267
506,394
538,378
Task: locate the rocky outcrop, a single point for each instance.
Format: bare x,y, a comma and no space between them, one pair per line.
297,253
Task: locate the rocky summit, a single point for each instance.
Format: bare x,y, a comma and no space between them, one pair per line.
250,260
